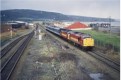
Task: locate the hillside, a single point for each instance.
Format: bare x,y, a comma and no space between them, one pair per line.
29,15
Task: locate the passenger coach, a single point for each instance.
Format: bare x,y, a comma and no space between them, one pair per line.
82,39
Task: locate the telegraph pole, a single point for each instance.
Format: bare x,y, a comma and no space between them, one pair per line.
11,32
110,24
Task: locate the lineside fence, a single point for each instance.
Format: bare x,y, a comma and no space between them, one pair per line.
107,47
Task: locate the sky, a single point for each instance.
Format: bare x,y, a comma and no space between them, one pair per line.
90,8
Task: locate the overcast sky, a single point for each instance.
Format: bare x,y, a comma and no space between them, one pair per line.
91,8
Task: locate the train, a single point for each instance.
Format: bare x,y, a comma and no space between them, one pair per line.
85,41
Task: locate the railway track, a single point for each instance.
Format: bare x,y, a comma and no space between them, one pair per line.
114,65
106,60
11,53
10,64
5,50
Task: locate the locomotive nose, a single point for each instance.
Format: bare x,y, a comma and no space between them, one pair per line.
88,42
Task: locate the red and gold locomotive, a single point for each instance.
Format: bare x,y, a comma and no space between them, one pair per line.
82,39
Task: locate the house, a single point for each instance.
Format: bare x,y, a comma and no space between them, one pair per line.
17,24
101,26
5,28
78,26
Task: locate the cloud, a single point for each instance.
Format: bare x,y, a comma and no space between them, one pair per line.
96,8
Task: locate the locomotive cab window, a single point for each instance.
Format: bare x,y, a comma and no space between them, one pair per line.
86,36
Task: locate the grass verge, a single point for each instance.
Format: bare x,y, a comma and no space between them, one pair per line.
105,38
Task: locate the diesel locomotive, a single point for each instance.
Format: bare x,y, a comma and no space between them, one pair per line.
83,40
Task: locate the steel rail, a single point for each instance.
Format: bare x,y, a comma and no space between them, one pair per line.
107,61
5,50
9,67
